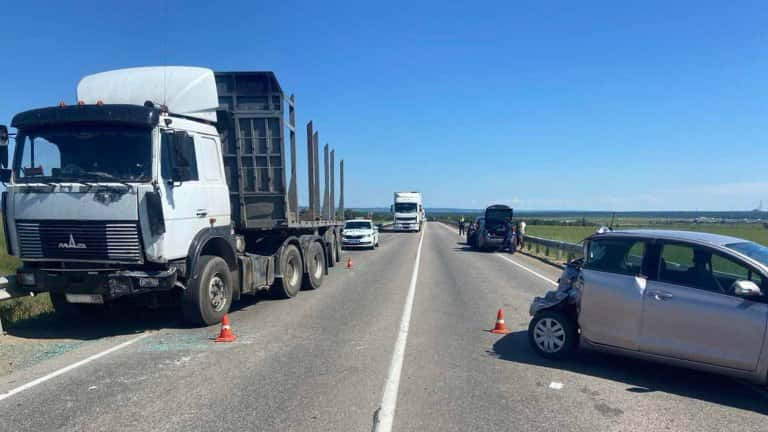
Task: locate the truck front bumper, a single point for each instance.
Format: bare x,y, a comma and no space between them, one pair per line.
109,284
405,227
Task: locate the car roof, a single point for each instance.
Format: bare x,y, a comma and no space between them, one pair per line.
688,236
358,220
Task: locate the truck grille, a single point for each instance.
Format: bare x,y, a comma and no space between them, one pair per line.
89,240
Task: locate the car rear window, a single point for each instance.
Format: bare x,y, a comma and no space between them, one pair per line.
623,256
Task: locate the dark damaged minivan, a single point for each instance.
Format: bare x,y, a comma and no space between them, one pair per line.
489,233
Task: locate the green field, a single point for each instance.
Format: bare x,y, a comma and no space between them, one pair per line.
569,233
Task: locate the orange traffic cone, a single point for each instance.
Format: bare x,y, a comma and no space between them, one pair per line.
225,335
349,262
499,328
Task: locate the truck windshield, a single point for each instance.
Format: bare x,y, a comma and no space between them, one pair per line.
405,207
83,153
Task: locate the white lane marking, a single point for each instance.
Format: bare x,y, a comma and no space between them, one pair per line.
66,369
386,413
541,276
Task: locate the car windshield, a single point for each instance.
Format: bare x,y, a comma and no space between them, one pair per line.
753,250
405,207
83,153
357,225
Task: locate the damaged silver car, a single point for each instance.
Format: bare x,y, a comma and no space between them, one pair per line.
690,299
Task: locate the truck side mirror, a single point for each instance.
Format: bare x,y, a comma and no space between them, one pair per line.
180,174
4,146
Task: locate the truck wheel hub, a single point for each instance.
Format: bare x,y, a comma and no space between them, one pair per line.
217,294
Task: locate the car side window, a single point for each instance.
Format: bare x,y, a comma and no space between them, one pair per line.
699,267
728,271
622,256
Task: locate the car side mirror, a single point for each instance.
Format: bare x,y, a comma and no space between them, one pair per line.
746,288
4,146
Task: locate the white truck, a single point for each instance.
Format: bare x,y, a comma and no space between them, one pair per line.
167,185
408,211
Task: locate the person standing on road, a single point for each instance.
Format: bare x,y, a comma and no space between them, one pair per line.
461,227
508,236
521,235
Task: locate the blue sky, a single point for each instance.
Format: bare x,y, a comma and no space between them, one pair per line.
542,105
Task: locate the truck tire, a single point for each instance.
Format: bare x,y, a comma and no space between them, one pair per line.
334,252
208,297
291,269
337,245
313,278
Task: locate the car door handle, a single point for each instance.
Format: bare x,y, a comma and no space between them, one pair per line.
660,295
202,212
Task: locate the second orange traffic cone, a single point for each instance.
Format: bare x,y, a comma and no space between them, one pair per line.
225,334
349,262
499,328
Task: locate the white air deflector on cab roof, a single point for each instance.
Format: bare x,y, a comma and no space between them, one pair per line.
189,91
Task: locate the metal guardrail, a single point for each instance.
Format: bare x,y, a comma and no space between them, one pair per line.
558,249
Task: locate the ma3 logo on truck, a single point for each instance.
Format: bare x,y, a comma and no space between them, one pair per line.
72,244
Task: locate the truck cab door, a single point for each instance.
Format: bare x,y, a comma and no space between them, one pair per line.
185,206
212,181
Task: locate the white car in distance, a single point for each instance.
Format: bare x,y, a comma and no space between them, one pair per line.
360,233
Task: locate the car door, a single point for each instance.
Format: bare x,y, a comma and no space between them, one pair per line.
691,313
186,198
612,286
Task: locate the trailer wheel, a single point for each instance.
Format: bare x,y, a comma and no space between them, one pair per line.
337,247
333,254
291,268
208,297
313,278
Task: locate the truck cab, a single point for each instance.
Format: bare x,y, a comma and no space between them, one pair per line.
407,211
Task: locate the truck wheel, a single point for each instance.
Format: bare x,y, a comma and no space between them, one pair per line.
334,252
291,268
553,335
313,278
208,297
337,245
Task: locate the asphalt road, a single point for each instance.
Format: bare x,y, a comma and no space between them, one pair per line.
320,362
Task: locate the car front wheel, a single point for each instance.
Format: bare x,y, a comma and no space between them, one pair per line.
553,334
